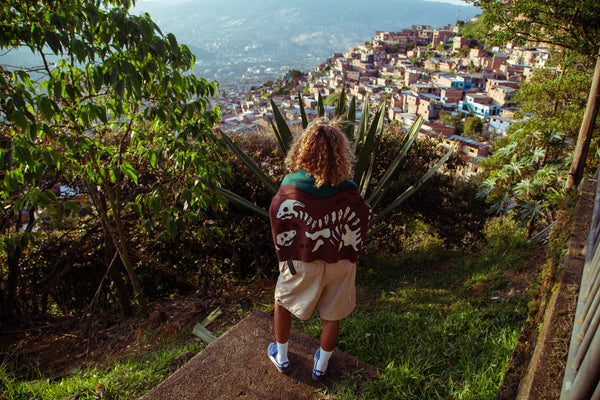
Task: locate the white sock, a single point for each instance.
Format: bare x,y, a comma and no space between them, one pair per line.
282,350
323,359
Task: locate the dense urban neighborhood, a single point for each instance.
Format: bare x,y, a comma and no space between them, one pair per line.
420,71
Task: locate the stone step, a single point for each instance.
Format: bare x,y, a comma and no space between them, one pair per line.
236,366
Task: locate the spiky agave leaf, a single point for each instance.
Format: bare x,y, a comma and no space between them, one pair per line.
341,104
386,180
362,124
408,192
366,179
351,118
240,201
277,135
320,106
283,130
264,178
302,112
368,145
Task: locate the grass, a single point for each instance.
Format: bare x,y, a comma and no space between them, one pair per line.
127,379
437,325
434,334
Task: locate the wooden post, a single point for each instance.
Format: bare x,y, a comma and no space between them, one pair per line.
585,132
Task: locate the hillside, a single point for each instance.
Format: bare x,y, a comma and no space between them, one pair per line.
270,37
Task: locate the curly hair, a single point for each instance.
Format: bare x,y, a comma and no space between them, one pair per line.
323,151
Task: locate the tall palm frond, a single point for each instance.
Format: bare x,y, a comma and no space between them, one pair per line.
529,210
506,151
486,187
523,187
499,204
534,156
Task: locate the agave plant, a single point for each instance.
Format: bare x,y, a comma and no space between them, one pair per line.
364,140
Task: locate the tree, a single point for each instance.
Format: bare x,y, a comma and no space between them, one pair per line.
572,26
473,127
558,23
555,97
295,75
477,31
392,48
331,99
416,61
111,110
453,120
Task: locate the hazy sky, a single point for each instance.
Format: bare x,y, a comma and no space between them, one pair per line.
457,2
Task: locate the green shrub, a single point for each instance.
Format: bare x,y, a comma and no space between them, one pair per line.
245,248
504,234
447,205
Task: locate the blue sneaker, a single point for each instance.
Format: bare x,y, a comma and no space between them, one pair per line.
284,368
316,374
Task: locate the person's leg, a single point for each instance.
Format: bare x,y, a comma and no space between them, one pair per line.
329,334
328,340
278,351
337,300
282,320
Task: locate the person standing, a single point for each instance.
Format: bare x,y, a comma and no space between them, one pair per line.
319,222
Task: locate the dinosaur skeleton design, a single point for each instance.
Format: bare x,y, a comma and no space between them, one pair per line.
340,227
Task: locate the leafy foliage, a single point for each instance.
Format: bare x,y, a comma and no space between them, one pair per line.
477,31
112,110
568,27
527,169
559,23
473,127
526,172
554,99
452,120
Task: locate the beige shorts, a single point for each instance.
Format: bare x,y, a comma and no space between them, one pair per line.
329,287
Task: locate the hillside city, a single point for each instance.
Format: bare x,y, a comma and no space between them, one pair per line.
422,71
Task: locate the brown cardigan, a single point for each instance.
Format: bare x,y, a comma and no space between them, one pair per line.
310,224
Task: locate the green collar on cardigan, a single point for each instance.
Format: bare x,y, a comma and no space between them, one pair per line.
306,182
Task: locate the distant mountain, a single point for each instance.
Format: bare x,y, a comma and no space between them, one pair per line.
245,41
250,41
